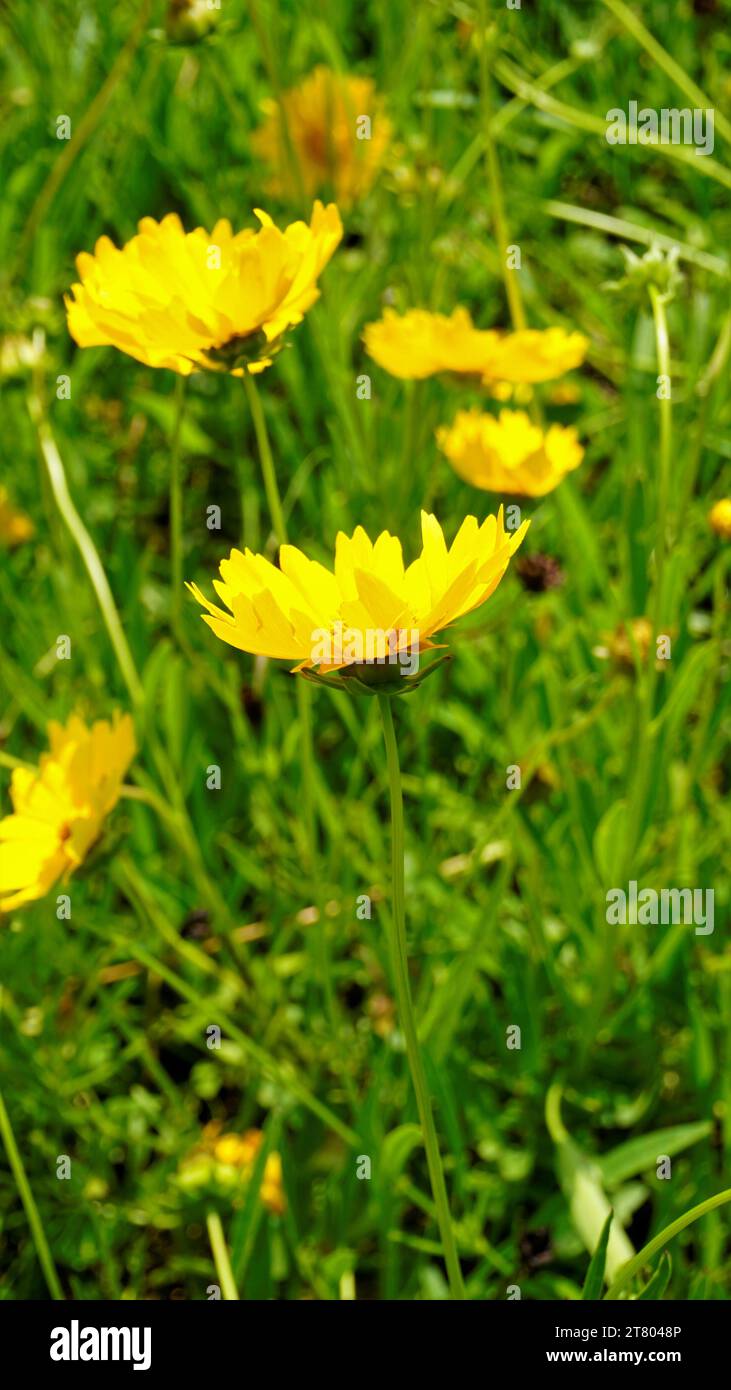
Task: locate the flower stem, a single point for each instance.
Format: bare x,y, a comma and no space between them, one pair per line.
176,506
45,1258
640,753
269,474
276,514
85,546
406,1008
221,1259
500,222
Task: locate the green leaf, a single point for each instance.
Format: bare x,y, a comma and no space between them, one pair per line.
396,1149
656,1286
637,1155
595,1273
608,841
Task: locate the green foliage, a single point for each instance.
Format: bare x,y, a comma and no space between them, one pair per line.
207,907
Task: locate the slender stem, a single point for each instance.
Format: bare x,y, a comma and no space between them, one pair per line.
45,1258
662,59
176,506
221,1259
662,342
406,1008
85,546
269,473
633,1266
276,513
640,753
510,277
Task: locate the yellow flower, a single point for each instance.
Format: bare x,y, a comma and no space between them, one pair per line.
240,1151
59,808
509,454
720,518
338,136
15,527
202,300
418,343
369,609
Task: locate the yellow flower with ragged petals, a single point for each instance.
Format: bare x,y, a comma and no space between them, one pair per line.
198,300
300,611
59,808
719,518
329,142
509,454
15,527
419,344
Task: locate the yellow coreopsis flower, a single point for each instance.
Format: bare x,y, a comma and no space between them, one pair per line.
225,1159
338,135
509,454
369,611
196,300
240,1151
59,808
720,518
419,344
15,527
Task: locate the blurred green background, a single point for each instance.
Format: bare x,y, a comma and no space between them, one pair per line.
213,913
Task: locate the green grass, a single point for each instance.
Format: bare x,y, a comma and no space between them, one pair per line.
103,1018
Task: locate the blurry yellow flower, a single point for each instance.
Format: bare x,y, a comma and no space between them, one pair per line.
370,607
338,134
235,1152
418,343
720,518
59,808
202,300
15,527
565,393
509,454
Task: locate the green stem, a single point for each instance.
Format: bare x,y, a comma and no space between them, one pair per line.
662,342
176,506
45,1258
276,513
641,749
268,470
219,1249
500,223
662,59
633,1266
85,546
406,1008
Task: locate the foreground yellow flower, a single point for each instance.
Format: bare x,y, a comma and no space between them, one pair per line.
369,608
338,134
720,518
197,300
509,454
15,527
60,807
418,344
